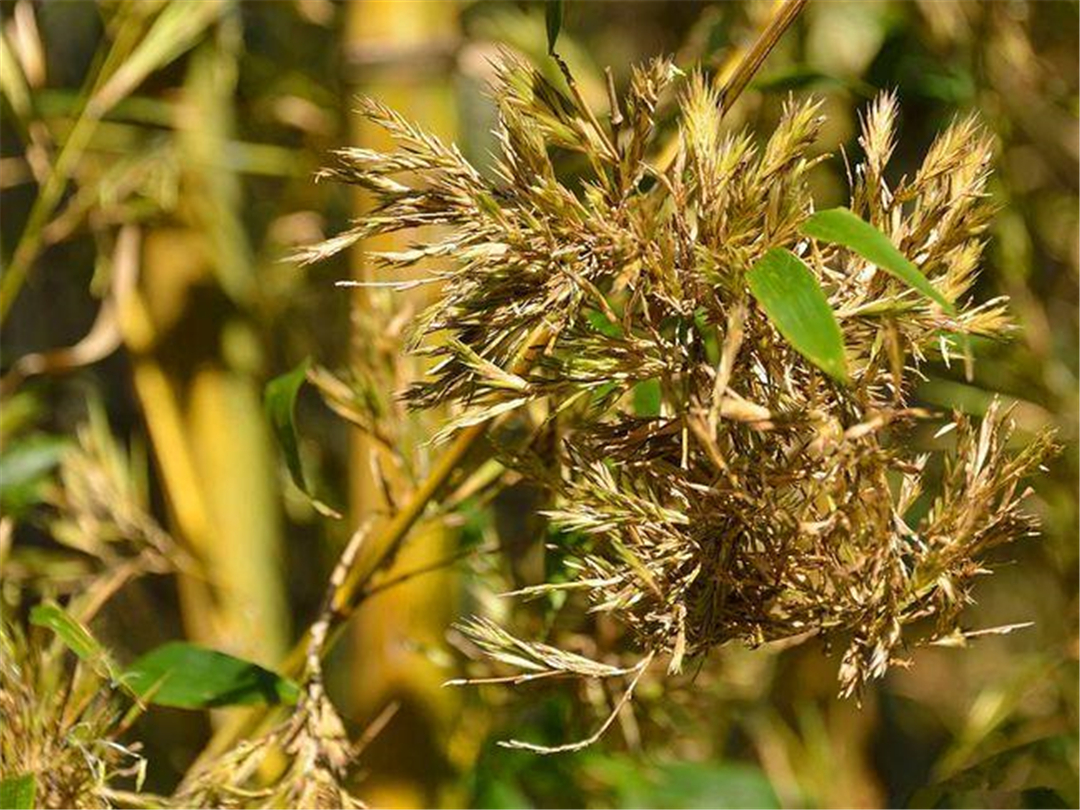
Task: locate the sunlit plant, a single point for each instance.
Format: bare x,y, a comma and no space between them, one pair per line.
728,371
711,378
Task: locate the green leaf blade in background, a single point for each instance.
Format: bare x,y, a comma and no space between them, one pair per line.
177,28
553,18
839,226
700,785
186,676
18,792
74,635
599,321
25,466
796,305
279,402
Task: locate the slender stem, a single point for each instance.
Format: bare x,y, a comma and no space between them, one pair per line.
51,193
389,540
785,15
627,695
352,591
439,564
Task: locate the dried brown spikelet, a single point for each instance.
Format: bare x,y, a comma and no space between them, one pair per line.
103,513
870,193
318,754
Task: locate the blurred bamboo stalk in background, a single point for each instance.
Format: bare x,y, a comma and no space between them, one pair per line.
401,52
196,366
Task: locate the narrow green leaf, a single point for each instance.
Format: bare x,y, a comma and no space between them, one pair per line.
18,792
279,401
599,321
792,298
647,398
185,676
25,465
177,28
553,16
842,227
839,226
75,636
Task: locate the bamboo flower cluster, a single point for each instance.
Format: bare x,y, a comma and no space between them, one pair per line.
729,490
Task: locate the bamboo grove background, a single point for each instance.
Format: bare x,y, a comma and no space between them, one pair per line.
156,169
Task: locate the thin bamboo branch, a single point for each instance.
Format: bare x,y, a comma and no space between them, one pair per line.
783,17
352,591
623,700
751,60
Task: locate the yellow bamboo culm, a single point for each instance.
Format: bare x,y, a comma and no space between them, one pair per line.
197,376
400,50
214,455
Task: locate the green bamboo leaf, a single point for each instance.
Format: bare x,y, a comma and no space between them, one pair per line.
75,636
279,401
18,792
185,676
839,226
792,298
553,16
176,29
648,398
25,466
599,321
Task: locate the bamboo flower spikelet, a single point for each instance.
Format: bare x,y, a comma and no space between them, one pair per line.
729,486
